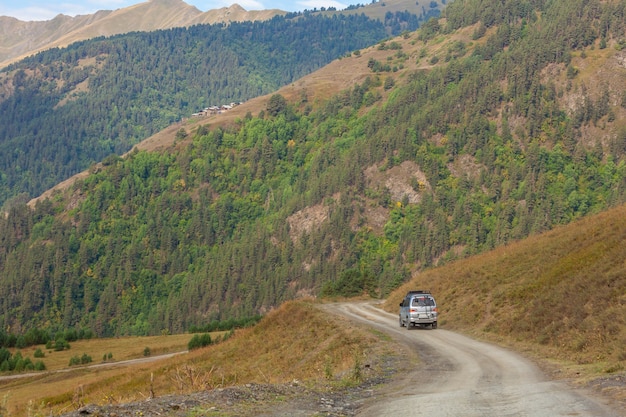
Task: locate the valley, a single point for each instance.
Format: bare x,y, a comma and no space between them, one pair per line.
482,157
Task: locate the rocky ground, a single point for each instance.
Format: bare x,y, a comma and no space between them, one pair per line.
294,399
611,387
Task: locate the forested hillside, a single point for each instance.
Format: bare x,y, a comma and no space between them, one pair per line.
19,39
498,122
64,109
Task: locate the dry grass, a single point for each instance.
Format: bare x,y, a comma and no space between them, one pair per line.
45,385
560,296
121,349
295,341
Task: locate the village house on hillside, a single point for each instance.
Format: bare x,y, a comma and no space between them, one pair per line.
215,109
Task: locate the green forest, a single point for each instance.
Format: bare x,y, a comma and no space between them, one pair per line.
162,242
62,110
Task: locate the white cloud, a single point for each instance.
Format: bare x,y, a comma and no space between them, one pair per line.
30,13
44,10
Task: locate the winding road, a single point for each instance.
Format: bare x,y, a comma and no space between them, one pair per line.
459,376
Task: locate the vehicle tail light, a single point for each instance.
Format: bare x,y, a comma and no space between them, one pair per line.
436,310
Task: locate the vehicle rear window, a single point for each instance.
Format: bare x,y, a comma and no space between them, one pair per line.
423,302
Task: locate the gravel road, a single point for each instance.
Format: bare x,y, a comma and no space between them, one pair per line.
458,376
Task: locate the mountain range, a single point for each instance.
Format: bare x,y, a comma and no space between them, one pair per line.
19,39
63,109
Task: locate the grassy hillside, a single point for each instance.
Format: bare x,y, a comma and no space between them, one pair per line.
295,342
560,295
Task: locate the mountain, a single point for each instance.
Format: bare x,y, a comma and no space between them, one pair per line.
67,108
481,129
19,39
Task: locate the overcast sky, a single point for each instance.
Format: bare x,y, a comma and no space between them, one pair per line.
47,9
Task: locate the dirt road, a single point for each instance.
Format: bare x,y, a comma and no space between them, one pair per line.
458,376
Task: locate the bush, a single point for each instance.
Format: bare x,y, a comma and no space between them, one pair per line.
181,134
5,354
61,344
389,83
83,360
199,341
276,105
39,353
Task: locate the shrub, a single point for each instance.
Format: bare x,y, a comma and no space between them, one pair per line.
61,344
181,134
199,341
39,353
85,359
5,354
389,83
276,104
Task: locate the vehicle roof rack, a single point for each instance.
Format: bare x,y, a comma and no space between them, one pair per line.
418,292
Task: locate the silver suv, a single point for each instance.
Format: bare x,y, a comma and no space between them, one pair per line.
418,309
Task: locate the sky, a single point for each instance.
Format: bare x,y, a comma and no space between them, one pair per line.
28,10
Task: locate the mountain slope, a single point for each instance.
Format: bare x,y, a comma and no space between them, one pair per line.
19,39
64,109
457,141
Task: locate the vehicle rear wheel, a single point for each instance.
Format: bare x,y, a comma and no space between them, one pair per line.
408,325
434,325
401,322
